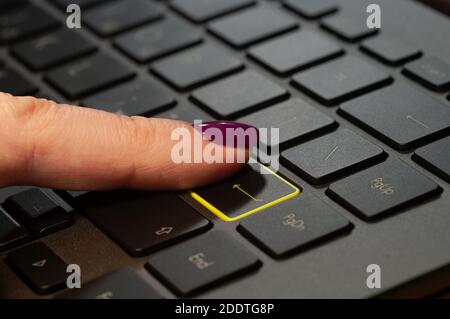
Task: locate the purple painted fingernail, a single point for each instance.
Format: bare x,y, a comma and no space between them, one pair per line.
227,133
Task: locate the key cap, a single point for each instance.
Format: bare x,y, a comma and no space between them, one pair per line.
88,75
340,80
239,94
147,226
351,28
11,233
194,67
442,6
24,21
390,50
205,10
383,189
293,225
400,116
157,40
14,83
253,190
39,267
312,9
297,121
251,26
435,158
295,52
119,16
122,284
202,262
332,156
141,97
185,112
37,211
82,3
52,49
431,72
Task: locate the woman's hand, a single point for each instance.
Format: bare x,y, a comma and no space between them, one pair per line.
68,147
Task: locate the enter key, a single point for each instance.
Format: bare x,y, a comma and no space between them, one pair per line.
253,190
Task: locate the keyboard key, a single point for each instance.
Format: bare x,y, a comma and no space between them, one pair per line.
14,83
340,80
295,52
443,7
88,75
383,189
119,16
400,116
82,3
122,284
23,22
37,211
351,28
11,233
431,72
185,112
52,49
196,66
254,189
293,225
332,156
204,10
312,9
390,50
202,262
157,40
140,97
39,267
435,158
296,120
252,25
239,94
147,226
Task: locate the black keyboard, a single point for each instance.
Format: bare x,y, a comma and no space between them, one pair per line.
364,118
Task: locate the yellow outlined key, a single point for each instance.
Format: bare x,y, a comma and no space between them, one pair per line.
246,194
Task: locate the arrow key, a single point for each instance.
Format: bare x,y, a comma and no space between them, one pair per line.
39,267
39,212
143,222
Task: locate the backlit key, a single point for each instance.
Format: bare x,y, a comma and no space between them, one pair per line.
254,189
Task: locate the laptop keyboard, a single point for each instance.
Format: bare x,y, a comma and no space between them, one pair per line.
165,50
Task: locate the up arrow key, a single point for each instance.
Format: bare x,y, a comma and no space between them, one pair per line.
164,231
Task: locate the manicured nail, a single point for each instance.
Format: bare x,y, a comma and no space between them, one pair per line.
233,134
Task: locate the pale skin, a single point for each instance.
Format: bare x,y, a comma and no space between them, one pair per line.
74,148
